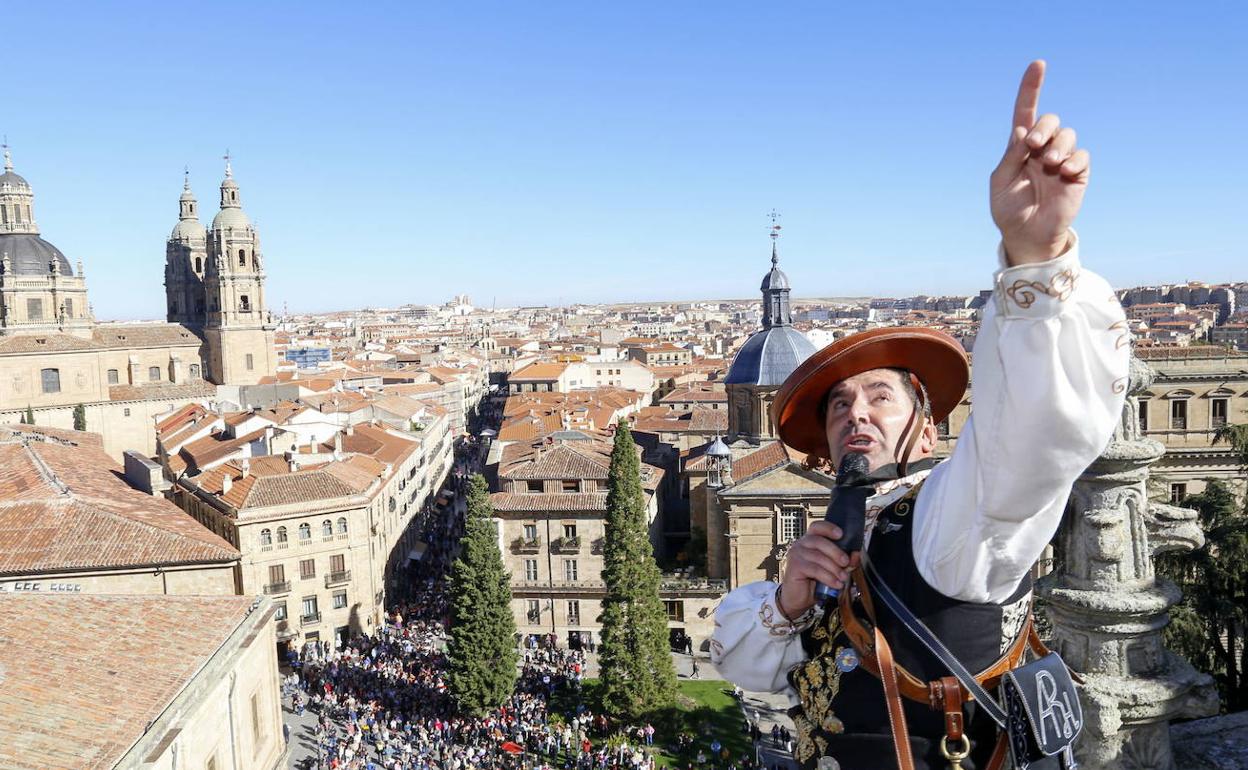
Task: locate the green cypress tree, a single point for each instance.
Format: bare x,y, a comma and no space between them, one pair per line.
80,417
29,417
635,658
481,650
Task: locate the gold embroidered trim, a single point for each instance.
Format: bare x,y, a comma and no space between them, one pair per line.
1124,338
1120,385
1059,287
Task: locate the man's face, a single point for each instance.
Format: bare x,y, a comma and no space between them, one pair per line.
868,413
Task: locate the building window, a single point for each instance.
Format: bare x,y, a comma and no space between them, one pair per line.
266,539
51,379
342,526
534,611
530,570
257,731
533,486
305,532
310,610
307,569
340,600
1217,414
125,412
281,537
675,610
569,531
34,310
571,485
574,611
244,303
199,265
792,522
277,574
114,377
242,258
942,428
251,362
1143,415
338,563
1178,414
69,308
1178,492
281,611
153,373
569,569
530,532
194,371
327,530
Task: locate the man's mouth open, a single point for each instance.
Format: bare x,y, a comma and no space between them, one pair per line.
859,442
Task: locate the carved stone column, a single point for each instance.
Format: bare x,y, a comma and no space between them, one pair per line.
1108,607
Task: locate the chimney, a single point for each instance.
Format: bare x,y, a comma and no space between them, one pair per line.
246,468
337,443
227,481
350,429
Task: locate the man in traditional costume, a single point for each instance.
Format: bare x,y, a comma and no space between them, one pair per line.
956,541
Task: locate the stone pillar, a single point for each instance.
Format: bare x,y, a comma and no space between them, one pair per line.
1108,607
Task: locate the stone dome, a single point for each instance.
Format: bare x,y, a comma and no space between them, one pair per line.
768,357
230,217
188,229
776,279
14,182
32,255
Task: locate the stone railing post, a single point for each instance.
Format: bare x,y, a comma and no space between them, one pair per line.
1108,608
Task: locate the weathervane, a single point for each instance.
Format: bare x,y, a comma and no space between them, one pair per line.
774,234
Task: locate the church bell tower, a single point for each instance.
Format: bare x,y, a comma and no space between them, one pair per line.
237,327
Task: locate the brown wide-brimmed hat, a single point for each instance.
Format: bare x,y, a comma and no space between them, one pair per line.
937,359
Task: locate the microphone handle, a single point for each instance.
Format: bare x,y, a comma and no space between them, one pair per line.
847,510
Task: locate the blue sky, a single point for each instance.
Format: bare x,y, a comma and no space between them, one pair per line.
556,152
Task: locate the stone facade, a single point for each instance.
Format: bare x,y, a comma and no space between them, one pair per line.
1108,607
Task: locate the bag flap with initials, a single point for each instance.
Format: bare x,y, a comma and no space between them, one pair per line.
1048,697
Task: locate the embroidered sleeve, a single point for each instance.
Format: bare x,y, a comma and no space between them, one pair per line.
754,645
1049,378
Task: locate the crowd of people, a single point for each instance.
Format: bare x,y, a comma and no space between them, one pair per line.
382,702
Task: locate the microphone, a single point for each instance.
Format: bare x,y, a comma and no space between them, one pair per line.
848,510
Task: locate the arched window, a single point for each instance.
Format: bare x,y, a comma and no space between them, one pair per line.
195,371
305,531
342,525
266,538
242,258
51,380
327,528
281,537
199,264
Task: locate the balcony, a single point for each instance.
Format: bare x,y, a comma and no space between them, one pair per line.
565,544
689,584
308,620
334,578
527,544
277,588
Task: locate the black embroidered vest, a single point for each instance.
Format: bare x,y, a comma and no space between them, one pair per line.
842,713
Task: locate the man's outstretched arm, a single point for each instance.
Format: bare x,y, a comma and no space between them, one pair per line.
1049,378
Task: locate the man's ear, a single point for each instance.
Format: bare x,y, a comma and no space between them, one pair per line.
927,441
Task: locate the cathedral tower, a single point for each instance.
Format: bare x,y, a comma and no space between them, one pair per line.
39,290
186,257
237,327
766,359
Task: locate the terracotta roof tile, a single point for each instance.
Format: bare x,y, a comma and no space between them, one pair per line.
67,507
144,336
162,390
83,678
504,502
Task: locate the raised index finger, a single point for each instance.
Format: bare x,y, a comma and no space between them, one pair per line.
1028,101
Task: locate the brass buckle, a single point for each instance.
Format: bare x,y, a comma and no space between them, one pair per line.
955,756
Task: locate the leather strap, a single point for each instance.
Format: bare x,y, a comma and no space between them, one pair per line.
946,696
1000,753
892,698
863,640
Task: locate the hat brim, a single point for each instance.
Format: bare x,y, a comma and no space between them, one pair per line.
936,358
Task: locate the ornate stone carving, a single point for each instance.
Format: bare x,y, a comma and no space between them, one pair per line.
1108,607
